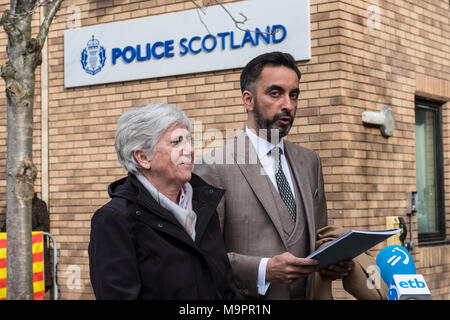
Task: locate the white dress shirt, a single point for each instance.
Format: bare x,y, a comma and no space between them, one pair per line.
181,210
263,148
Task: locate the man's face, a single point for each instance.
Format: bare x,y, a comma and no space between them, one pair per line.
272,104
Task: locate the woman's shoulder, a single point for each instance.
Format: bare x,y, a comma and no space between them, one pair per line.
116,209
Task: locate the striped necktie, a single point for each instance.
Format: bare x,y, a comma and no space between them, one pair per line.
283,185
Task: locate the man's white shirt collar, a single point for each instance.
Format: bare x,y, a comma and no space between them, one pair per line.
262,146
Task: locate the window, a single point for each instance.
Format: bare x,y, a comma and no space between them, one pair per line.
429,172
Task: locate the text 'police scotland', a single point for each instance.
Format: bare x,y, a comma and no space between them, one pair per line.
196,44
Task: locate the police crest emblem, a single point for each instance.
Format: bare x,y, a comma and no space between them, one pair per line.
93,57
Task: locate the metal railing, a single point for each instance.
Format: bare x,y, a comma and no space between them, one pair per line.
55,264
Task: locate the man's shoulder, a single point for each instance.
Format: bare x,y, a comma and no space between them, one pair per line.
217,164
220,155
291,146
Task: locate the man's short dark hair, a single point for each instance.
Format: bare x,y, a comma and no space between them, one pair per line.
253,69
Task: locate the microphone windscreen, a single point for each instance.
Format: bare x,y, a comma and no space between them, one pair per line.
395,259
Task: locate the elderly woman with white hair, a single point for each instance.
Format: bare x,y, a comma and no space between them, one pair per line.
159,236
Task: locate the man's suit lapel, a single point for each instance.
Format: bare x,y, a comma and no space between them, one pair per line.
298,167
252,170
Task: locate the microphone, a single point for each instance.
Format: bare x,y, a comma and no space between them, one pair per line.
399,273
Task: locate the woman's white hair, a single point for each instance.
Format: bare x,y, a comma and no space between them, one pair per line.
141,128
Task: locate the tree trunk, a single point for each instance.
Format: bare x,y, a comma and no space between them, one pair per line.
19,75
24,55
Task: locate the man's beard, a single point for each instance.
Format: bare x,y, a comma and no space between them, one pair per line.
269,125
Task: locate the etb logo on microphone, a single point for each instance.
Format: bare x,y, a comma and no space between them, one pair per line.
410,287
399,255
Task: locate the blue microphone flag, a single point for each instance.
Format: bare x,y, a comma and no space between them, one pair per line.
395,259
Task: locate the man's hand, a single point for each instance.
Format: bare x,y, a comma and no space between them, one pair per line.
339,271
286,268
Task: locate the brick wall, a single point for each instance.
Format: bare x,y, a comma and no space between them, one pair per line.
378,61
359,62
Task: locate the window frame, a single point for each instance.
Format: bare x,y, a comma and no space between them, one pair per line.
436,107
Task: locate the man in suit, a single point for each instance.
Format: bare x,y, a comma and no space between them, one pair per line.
274,201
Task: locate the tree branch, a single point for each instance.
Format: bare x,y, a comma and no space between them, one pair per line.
26,8
201,9
43,30
13,6
11,27
236,22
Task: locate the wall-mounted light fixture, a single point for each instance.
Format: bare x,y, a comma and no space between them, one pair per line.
384,119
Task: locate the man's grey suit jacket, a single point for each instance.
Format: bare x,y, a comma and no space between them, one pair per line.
254,220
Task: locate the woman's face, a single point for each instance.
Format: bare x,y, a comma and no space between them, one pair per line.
174,156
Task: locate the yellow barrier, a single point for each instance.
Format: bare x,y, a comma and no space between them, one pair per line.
38,265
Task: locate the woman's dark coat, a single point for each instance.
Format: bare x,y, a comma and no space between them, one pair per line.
138,250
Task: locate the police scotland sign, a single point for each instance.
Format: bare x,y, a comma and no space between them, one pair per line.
185,42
